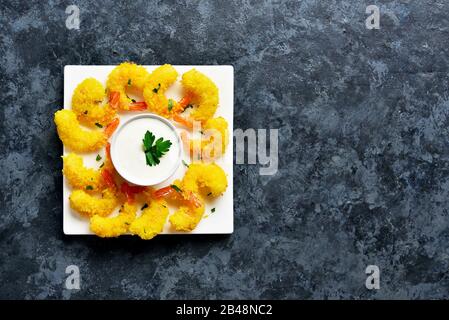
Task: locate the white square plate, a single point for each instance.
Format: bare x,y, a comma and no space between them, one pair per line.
221,221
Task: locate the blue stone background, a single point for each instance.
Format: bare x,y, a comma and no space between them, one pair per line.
364,157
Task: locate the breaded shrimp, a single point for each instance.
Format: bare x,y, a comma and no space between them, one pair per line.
186,218
152,220
73,136
201,92
88,179
154,92
126,76
191,209
199,180
113,227
90,205
80,177
206,177
77,138
87,103
213,141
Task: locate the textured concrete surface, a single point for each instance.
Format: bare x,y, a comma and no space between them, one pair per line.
364,156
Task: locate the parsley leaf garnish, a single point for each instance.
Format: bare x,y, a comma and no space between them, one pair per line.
154,150
155,90
177,189
98,125
213,210
185,163
170,104
89,188
98,158
144,206
129,82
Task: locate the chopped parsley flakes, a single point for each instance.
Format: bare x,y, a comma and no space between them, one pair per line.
155,90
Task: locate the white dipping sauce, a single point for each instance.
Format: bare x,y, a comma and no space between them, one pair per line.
128,154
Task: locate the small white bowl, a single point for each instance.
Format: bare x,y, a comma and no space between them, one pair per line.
128,156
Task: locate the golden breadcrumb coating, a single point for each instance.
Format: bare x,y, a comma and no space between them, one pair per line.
80,177
126,76
90,205
203,92
87,103
113,227
200,178
154,92
186,218
209,177
152,220
75,137
211,148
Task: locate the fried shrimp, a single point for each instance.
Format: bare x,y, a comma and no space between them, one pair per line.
207,177
213,141
113,227
154,92
152,220
90,205
191,208
88,179
201,91
200,180
187,217
78,139
87,103
73,136
126,76
80,177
